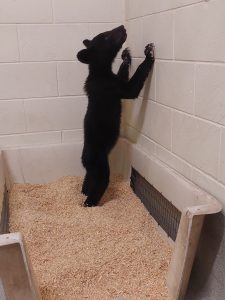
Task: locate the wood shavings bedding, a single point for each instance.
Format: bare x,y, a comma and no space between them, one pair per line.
106,252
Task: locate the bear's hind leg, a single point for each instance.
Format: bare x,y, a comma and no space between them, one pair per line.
99,180
86,184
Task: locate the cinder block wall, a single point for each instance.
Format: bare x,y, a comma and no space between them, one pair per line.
41,96
182,119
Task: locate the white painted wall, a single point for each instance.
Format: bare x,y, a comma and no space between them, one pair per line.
41,84
181,119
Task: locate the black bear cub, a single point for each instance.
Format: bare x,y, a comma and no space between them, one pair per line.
105,91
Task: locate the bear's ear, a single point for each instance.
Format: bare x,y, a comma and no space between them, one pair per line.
84,56
87,43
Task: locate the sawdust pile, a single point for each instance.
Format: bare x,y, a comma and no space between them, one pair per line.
113,250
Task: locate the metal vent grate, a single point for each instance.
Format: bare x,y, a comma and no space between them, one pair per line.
162,210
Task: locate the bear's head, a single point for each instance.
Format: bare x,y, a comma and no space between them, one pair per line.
103,48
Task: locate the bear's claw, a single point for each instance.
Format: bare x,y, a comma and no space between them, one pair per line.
88,203
149,51
126,57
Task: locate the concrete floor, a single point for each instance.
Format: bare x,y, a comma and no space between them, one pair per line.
208,275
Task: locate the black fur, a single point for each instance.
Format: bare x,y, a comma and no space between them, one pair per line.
105,91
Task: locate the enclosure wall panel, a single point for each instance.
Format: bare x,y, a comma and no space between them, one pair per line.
26,11
147,7
28,80
199,32
16,268
191,136
188,82
69,83
33,139
9,46
189,88
194,206
210,91
159,28
158,123
42,164
55,113
91,11
51,42
12,117
69,136
39,67
173,161
175,85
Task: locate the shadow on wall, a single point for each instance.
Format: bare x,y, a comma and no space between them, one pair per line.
209,258
139,121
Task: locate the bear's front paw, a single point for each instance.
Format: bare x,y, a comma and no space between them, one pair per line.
149,51
126,57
